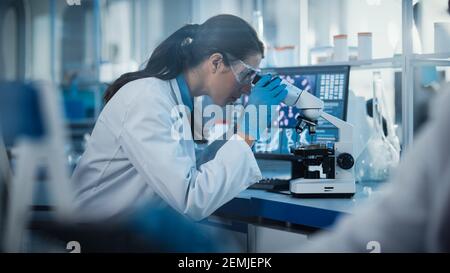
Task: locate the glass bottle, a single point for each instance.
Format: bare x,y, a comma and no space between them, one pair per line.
382,151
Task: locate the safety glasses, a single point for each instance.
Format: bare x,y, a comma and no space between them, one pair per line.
245,76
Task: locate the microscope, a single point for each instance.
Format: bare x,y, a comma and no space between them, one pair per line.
318,169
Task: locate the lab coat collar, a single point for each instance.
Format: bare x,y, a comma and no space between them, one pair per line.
185,92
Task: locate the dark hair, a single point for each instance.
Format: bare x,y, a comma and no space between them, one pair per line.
190,45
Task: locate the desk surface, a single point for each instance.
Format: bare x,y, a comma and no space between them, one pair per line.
312,212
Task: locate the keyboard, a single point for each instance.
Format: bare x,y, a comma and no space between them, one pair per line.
271,184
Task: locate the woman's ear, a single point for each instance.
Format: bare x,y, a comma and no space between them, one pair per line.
215,62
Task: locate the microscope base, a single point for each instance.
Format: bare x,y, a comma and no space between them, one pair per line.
331,188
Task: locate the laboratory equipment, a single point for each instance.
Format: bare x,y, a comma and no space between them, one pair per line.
271,184
31,121
330,84
322,54
5,177
364,45
340,48
322,169
382,151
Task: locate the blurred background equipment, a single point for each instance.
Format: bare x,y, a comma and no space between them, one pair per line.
364,45
5,180
37,133
381,154
81,49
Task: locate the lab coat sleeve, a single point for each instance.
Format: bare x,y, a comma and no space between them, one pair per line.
400,219
167,165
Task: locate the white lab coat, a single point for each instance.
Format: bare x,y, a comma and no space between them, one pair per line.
413,213
132,158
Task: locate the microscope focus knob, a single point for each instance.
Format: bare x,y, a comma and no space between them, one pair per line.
345,161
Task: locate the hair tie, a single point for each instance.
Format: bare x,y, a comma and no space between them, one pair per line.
187,41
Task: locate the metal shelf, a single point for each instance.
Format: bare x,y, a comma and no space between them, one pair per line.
433,56
435,59
382,63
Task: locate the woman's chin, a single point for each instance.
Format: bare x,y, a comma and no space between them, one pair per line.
223,101
231,100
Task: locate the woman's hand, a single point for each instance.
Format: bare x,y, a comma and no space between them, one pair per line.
267,92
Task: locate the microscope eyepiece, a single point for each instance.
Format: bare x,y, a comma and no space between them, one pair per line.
256,79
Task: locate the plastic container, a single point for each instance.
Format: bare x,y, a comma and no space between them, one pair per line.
364,46
340,48
320,55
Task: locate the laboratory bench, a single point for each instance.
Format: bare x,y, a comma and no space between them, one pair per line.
266,221
263,221
312,213
316,213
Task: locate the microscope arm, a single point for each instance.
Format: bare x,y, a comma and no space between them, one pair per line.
312,109
310,105
345,128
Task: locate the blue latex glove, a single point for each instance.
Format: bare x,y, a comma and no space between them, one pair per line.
266,92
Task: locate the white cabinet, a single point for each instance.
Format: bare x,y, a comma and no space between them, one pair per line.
231,236
267,239
239,237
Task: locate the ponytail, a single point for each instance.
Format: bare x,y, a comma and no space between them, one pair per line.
190,45
165,63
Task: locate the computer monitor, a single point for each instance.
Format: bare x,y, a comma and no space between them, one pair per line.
329,83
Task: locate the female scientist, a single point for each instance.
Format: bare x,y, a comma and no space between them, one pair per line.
132,157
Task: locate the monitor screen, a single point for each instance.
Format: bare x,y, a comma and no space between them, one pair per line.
329,83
